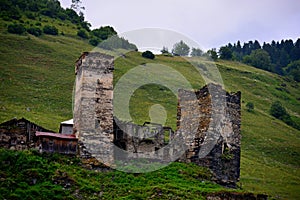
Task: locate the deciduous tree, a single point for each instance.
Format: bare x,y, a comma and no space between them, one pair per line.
259,58
181,49
196,52
225,53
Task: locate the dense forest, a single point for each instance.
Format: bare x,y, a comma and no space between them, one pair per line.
282,57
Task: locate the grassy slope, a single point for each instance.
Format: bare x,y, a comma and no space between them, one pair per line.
38,73
29,175
270,148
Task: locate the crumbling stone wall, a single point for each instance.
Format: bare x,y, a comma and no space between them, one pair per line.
93,111
143,139
208,123
216,121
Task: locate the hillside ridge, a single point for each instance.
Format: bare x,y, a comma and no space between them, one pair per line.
37,80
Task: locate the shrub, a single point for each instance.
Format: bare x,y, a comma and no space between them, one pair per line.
104,32
34,31
83,34
94,41
30,15
148,54
250,106
16,28
62,16
51,30
11,13
47,12
278,111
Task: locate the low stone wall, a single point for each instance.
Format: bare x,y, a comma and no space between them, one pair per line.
142,139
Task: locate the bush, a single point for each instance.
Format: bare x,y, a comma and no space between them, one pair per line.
48,12
83,34
94,41
51,30
148,54
250,107
16,28
34,31
278,111
62,16
104,33
12,13
30,15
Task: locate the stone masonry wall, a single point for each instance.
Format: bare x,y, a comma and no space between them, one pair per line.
218,132
144,139
208,123
93,111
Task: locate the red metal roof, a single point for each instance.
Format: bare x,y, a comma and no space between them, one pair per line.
57,135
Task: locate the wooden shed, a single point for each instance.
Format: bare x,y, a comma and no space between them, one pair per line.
56,142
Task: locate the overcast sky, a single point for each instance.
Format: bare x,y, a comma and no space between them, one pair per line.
210,23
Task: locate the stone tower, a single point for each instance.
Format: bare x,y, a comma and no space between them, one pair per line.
208,124
93,109
218,132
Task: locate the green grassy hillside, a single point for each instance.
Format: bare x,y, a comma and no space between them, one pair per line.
30,175
270,148
37,78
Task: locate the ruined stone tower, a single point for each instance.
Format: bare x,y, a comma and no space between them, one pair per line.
208,124
93,109
216,144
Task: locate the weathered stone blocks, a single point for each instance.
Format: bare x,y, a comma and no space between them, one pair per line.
208,123
93,115
218,131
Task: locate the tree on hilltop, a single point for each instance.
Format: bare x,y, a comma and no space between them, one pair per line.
164,50
196,52
180,49
212,53
259,58
225,53
76,5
